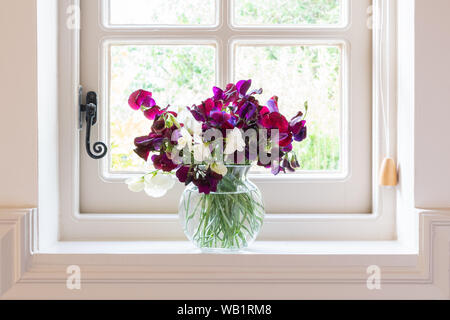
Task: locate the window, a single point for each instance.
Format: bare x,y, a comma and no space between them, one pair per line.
316,51
323,54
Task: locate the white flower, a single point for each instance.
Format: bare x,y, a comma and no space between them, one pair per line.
198,133
186,117
185,140
136,184
201,152
157,185
234,142
219,168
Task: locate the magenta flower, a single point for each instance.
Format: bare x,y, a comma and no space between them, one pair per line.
202,112
222,120
218,94
141,98
153,112
275,120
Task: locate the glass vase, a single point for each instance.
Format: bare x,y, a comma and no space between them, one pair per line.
227,220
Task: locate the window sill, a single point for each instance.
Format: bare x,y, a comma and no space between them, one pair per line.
262,248
154,269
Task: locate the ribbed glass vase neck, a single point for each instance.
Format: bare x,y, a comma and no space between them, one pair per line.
238,171
235,180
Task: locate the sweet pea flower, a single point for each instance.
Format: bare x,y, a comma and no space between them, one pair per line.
136,184
153,112
209,182
218,93
272,105
185,117
163,162
185,174
276,168
141,98
146,144
157,185
243,86
298,127
248,109
230,95
203,112
234,142
201,152
275,120
291,164
185,139
222,120
219,168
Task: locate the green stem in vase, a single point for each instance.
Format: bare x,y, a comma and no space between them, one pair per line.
226,219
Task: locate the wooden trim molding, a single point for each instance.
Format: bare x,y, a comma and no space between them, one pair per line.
17,235
110,272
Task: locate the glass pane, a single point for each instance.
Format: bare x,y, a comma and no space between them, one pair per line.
288,12
297,74
162,12
179,75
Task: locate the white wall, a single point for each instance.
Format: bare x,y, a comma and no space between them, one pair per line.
432,185
18,104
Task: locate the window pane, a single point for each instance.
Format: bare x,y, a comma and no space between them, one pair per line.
179,75
162,12
297,74
288,12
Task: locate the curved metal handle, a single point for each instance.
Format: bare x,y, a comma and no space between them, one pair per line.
99,149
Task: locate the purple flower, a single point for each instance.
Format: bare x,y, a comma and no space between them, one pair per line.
146,144
248,110
243,86
298,127
202,112
162,162
209,182
277,168
272,104
159,125
185,174
292,164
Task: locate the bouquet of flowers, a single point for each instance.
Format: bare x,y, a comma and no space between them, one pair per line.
206,146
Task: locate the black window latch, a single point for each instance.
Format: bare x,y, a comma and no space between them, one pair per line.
90,109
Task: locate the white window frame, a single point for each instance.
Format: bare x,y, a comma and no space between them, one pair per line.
379,225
